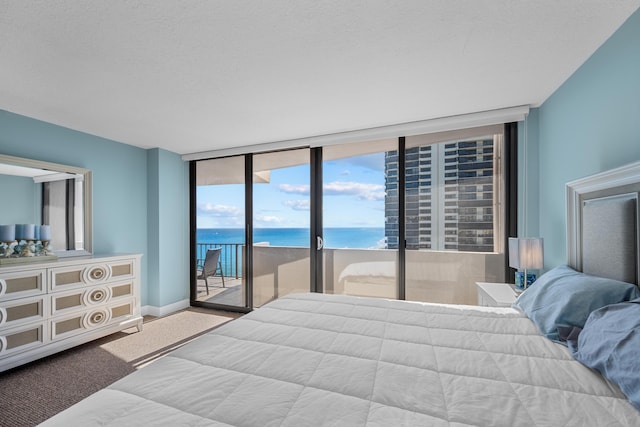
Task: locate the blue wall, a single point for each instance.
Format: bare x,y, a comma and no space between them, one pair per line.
528,188
590,124
120,201
168,227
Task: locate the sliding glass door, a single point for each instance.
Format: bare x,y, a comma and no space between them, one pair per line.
357,193
220,243
281,203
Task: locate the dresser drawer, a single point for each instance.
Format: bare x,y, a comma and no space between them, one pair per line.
22,284
74,277
23,310
21,338
73,324
83,298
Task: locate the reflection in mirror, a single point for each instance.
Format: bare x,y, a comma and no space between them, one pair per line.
49,193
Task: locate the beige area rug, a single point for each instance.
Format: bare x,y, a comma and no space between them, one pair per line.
31,393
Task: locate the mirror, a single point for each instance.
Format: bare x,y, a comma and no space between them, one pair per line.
37,192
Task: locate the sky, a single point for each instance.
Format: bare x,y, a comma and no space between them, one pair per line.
353,196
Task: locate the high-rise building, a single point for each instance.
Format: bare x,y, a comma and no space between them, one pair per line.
449,192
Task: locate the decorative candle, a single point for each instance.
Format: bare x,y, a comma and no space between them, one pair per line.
7,233
25,231
45,232
18,231
36,232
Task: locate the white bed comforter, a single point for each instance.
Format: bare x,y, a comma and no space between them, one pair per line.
313,360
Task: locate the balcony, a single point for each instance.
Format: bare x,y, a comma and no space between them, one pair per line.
432,276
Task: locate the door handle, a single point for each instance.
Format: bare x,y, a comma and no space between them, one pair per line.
319,243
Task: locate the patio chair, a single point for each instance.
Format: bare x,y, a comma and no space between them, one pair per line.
211,266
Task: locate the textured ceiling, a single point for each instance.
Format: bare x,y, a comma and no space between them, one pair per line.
200,75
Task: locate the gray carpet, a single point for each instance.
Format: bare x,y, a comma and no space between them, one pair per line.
31,393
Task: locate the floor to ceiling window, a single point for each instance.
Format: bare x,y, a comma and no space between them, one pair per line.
281,203
357,258
453,214
220,232
419,218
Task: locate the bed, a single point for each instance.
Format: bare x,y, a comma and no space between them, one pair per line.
315,360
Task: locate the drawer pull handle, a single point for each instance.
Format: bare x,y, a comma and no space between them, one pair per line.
3,286
3,344
96,296
97,273
3,315
95,318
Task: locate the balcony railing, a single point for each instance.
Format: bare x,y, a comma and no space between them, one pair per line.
230,257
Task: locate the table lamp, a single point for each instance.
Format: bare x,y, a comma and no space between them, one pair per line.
525,253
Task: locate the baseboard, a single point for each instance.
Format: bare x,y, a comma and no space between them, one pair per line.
151,310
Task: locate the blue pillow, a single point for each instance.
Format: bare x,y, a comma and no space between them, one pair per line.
610,343
563,297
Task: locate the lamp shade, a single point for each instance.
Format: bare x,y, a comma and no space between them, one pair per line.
526,253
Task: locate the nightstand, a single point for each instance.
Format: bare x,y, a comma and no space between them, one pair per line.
496,294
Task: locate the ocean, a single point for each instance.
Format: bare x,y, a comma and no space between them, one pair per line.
335,238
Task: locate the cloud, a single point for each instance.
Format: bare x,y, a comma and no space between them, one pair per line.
267,219
219,211
345,172
294,189
298,205
361,190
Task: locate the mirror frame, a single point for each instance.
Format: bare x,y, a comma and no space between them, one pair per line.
87,197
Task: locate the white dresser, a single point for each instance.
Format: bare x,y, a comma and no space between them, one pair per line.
52,306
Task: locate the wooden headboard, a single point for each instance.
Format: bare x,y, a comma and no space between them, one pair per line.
603,224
